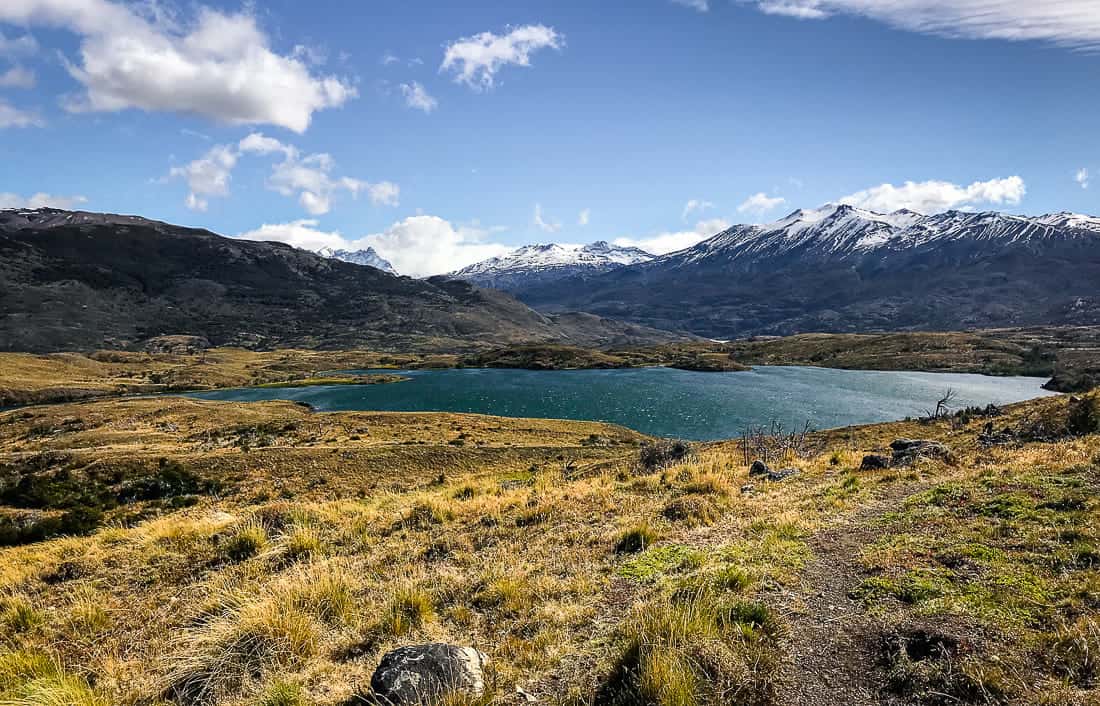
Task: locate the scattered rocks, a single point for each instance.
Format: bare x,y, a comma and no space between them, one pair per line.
908,451
423,674
759,469
875,462
177,345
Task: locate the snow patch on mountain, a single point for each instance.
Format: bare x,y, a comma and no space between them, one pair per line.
550,261
368,258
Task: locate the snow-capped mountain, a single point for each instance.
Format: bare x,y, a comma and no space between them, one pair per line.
841,268
368,257
541,264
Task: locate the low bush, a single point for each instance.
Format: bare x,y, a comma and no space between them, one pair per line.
635,540
661,454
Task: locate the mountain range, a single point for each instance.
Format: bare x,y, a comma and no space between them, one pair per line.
840,268
78,281
368,257
533,265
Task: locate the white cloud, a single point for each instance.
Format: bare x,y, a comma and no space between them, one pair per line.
307,177
416,96
41,200
663,243
700,5
695,206
24,45
1073,23
937,196
542,224
1082,177
802,9
388,59
300,234
476,60
220,66
584,217
759,204
17,77
208,176
428,245
10,116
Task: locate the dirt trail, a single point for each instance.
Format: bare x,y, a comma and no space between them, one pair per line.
829,659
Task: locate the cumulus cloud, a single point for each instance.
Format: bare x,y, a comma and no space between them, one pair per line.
10,116
416,96
663,243
542,224
476,60
301,234
208,176
428,245
937,196
307,177
17,77
700,5
1073,23
584,217
695,206
41,200
220,66
1082,177
759,204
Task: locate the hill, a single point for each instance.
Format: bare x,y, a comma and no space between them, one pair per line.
541,264
842,269
78,281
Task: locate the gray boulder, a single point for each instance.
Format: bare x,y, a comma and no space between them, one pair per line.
908,451
419,675
875,462
759,468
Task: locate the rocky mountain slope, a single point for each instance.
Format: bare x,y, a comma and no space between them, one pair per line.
534,265
843,269
75,280
368,257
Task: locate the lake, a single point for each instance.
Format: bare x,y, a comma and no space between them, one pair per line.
662,401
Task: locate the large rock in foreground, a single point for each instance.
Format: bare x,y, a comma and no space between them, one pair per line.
426,674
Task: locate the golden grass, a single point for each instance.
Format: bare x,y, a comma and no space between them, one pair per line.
320,551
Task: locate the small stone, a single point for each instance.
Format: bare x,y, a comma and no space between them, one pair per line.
747,488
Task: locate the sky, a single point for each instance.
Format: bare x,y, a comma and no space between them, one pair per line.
442,133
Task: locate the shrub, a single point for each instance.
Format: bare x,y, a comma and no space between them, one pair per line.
664,453
636,540
1084,416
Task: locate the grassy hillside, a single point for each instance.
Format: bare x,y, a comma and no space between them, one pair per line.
259,554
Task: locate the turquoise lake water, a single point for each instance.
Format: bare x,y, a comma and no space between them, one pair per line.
664,402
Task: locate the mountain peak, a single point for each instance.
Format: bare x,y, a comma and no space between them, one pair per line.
366,258
544,262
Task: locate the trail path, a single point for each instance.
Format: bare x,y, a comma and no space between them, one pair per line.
830,662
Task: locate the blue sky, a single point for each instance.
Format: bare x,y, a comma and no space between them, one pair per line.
445,132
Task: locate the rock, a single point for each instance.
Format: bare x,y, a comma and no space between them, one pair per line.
907,451
747,488
874,462
784,474
425,674
759,468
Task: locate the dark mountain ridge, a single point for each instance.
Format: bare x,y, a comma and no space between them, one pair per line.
77,281
843,269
